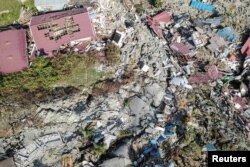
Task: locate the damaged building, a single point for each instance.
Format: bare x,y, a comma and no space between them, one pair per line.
34,150
157,22
53,30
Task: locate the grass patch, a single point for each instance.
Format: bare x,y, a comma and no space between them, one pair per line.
82,76
44,74
77,70
40,75
11,10
29,5
124,133
98,149
87,133
13,7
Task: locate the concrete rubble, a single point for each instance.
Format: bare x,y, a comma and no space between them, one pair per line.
188,93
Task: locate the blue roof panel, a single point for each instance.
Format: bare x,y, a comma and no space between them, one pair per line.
202,6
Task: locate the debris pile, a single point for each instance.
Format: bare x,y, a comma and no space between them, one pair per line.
211,86
181,89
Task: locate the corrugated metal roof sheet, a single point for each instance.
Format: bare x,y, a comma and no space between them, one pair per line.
50,5
13,51
202,6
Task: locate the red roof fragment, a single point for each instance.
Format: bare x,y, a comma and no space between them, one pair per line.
246,48
213,72
199,78
211,75
163,17
156,21
232,58
180,48
13,51
241,102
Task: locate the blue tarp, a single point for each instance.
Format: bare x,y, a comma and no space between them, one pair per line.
209,147
169,134
153,142
227,34
202,6
170,130
170,127
161,139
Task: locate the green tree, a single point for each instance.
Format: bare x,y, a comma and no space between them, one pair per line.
156,3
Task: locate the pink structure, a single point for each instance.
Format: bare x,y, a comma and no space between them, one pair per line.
161,19
52,30
13,51
180,48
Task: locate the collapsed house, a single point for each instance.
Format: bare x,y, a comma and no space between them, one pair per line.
34,150
50,5
53,30
13,51
157,22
